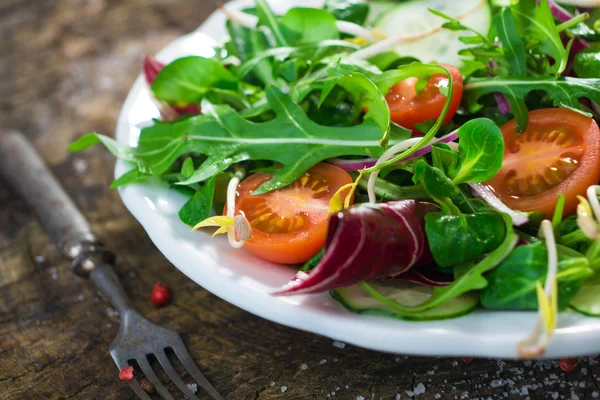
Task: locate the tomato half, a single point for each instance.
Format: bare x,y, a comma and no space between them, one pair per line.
289,224
559,152
409,108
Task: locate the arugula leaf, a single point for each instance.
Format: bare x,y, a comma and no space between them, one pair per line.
366,95
187,80
133,176
481,149
512,44
512,285
198,208
565,92
187,168
267,18
348,10
454,239
536,23
434,180
309,25
471,278
291,139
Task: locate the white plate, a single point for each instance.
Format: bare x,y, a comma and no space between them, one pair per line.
245,281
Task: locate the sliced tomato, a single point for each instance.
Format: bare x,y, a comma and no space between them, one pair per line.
409,108
559,152
289,224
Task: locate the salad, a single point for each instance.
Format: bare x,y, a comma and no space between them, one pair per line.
418,159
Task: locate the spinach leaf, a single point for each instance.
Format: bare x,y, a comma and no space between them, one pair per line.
434,180
291,139
348,10
536,24
454,239
198,208
188,79
308,25
587,63
512,44
565,92
267,18
445,159
512,285
471,277
481,149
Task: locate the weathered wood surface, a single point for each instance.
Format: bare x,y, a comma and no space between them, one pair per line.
66,67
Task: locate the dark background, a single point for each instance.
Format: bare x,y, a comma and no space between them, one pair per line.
65,69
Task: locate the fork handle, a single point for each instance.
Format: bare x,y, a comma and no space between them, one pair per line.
107,283
25,170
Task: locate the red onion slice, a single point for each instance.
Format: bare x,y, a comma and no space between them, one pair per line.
357,165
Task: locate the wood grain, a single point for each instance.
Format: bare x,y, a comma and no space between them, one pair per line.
66,67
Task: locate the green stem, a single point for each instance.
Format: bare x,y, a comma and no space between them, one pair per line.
391,191
572,22
573,238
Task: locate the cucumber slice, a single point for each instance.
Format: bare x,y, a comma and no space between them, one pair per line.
437,45
587,300
356,300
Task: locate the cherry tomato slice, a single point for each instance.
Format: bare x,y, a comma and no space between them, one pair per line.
289,224
409,108
559,152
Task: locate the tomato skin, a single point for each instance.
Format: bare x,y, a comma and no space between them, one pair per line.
544,151
296,202
408,108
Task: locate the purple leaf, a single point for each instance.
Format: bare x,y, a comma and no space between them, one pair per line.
368,242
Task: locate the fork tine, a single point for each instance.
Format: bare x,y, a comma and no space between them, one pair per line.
166,364
192,369
151,376
137,389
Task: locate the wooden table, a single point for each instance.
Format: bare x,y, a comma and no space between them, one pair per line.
66,67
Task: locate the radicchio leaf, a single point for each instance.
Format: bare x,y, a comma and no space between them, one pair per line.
368,242
426,275
168,112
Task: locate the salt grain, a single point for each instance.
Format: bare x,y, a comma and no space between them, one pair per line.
574,396
323,361
595,395
360,398
40,259
339,345
437,395
398,397
193,387
272,383
303,367
283,389
455,363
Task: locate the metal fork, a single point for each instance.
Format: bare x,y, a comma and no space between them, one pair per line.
138,338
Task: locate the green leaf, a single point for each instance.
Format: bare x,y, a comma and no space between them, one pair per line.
471,278
199,207
117,149
366,95
481,149
291,139
536,24
187,80
565,91
309,25
512,285
445,159
587,63
454,239
132,176
348,10
512,44
267,18
187,168
434,180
